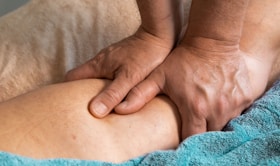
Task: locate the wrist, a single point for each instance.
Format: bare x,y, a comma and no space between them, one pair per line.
164,40
217,20
162,19
210,45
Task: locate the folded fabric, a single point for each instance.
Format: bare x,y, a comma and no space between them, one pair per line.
251,139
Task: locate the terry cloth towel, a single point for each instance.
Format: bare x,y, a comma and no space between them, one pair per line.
251,139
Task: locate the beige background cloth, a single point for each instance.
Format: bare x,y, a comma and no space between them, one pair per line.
42,40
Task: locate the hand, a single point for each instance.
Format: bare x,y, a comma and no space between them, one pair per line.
126,63
209,87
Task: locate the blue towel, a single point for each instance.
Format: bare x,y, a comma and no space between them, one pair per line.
251,139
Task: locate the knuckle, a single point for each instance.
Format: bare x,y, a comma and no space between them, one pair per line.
69,75
222,105
109,48
97,60
134,76
137,92
243,101
113,95
245,97
199,107
248,99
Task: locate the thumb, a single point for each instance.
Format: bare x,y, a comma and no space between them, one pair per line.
90,69
139,96
104,102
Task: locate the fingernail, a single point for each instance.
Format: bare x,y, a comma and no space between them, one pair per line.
99,108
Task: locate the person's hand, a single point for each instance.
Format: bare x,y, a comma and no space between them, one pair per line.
126,63
209,87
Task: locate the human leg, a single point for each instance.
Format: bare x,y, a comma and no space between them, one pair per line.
54,122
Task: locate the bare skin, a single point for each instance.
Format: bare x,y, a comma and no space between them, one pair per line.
211,84
54,122
129,61
261,40
219,73
214,73
57,116
49,117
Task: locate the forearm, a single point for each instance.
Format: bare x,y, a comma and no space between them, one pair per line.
162,18
217,20
261,38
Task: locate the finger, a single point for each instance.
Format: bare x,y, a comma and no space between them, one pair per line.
90,69
192,124
139,96
218,122
216,126
104,103
191,128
